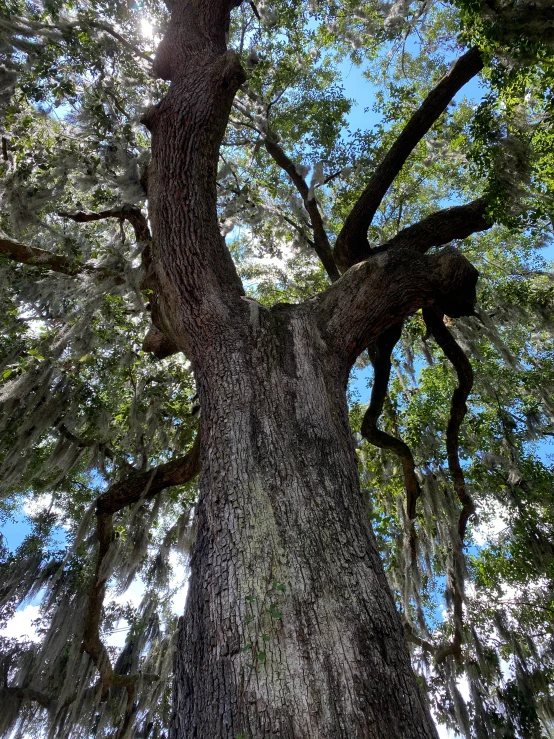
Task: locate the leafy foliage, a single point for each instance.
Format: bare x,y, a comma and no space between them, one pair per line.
86,408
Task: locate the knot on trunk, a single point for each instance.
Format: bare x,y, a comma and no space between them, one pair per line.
456,280
158,344
231,71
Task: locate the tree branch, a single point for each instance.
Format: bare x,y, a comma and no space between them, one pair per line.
128,213
321,240
127,44
155,340
381,360
120,495
86,444
28,694
457,222
36,257
458,409
385,289
352,245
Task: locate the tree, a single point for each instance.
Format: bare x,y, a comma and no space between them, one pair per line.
116,268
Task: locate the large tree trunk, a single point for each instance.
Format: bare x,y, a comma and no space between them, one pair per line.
290,629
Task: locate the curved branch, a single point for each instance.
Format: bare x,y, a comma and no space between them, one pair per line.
128,213
36,257
352,245
381,361
321,240
383,290
458,409
441,227
119,496
128,491
33,256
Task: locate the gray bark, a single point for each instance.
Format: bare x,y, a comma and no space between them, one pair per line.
290,628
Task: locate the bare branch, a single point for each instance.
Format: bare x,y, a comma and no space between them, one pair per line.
352,245
441,227
119,496
321,240
36,257
127,44
413,638
458,409
32,255
127,213
128,491
381,360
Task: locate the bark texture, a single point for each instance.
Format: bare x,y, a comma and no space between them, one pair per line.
290,628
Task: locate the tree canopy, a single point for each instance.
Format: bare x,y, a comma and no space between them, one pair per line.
98,433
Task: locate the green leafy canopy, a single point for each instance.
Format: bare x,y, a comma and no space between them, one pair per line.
86,407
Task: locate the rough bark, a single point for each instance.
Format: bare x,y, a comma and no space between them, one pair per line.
290,628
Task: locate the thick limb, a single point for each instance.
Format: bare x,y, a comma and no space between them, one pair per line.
197,292
36,257
352,245
385,289
441,228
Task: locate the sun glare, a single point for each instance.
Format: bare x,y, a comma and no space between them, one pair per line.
146,28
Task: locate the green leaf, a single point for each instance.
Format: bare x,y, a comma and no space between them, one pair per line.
274,612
